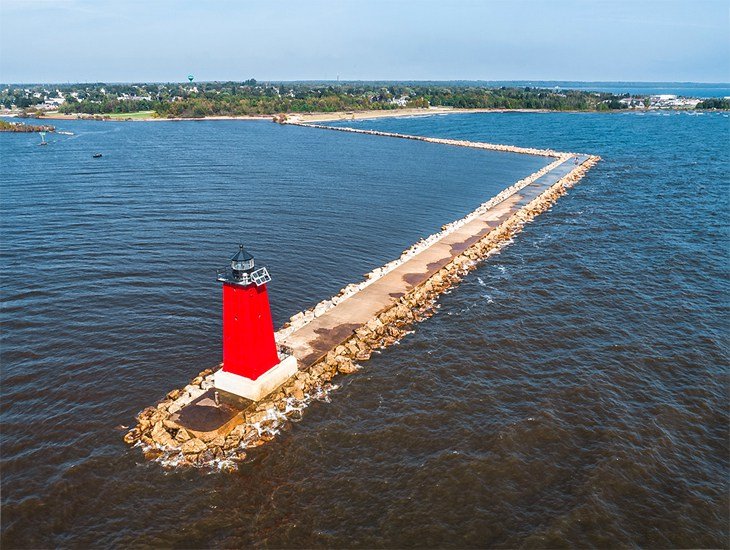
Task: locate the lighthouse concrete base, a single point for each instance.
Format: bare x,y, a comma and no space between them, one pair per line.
255,390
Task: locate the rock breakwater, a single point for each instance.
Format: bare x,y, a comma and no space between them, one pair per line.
22,127
302,318
163,439
455,142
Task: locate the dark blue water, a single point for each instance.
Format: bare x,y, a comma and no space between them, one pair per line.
571,392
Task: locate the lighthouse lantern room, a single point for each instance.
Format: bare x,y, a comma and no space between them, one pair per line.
252,366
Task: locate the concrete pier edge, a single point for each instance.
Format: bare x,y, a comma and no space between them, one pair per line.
159,430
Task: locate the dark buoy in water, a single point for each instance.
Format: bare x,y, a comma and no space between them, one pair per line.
97,155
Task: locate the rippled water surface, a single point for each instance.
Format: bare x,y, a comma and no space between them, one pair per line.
572,391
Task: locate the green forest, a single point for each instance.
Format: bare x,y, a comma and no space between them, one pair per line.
715,103
250,97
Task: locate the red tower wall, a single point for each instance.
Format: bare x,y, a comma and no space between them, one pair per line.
249,348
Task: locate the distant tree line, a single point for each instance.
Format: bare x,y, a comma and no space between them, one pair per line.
251,97
714,103
110,105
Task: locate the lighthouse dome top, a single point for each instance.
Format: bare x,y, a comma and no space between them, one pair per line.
241,270
242,261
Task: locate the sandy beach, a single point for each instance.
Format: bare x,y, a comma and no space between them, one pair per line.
407,112
360,115
302,117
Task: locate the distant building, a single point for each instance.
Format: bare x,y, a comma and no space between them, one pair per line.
673,101
663,97
51,103
632,102
130,97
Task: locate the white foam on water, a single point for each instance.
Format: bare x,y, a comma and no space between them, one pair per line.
269,427
403,335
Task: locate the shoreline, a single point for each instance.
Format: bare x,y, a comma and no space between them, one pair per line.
299,117
63,116
330,117
408,112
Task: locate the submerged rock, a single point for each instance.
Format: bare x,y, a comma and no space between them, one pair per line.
132,436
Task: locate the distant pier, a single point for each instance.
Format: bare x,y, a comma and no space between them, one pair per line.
314,340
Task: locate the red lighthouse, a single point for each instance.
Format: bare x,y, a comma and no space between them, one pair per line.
252,367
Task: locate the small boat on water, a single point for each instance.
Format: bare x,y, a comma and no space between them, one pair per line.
97,155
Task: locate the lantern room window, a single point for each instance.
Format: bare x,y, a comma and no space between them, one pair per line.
242,262
244,265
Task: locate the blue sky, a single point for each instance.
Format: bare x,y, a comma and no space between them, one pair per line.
165,40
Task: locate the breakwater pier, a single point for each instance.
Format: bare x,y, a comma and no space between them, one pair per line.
191,427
